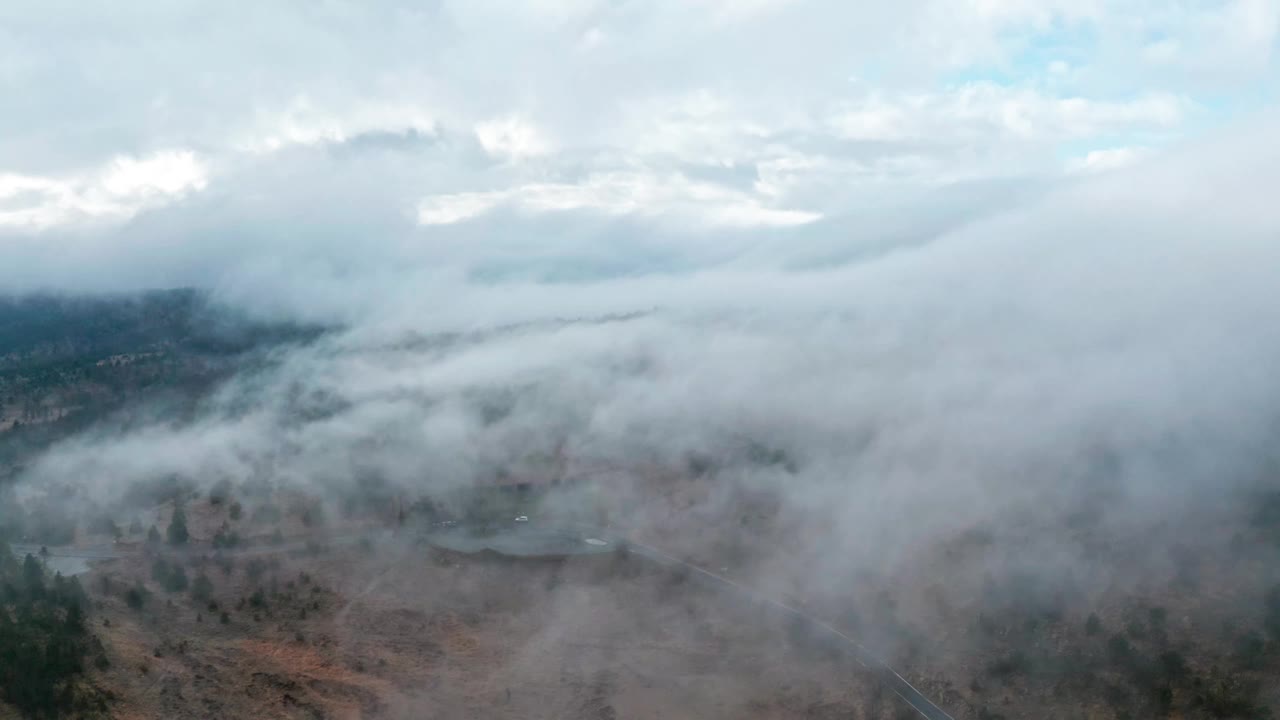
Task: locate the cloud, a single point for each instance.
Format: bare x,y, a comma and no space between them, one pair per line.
619,194
1126,313
1109,159
985,110
126,186
511,138
650,232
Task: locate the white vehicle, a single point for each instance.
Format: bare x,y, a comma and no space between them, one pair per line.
522,518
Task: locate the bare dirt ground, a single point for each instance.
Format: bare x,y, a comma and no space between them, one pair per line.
399,632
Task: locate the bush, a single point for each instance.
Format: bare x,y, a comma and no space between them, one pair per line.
171,576
1250,651
159,570
177,579
202,589
225,537
1119,650
1093,625
1228,696
1016,663
137,596
1173,666
1156,617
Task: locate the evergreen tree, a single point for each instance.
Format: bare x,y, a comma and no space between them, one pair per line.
178,526
1093,625
43,638
177,580
32,574
202,588
136,596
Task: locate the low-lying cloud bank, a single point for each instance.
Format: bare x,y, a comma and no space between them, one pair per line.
1108,344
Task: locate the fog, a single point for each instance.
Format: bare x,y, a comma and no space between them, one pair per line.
1107,345
998,351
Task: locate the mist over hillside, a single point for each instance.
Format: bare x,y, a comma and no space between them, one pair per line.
955,327
1020,417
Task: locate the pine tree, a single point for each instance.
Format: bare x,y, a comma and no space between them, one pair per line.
178,526
33,574
202,588
1093,625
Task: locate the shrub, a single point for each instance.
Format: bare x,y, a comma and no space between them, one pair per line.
1119,650
202,589
1250,651
171,576
1016,663
1173,666
1228,696
1093,625
177,533
137,596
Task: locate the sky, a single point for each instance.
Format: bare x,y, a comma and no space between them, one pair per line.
963,260
175,143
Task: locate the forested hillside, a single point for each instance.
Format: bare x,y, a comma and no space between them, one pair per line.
67,362
45,643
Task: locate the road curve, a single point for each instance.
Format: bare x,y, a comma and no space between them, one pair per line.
819,629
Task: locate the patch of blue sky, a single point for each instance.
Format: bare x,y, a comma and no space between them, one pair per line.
1033,56
983,74
1219,107
871,73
